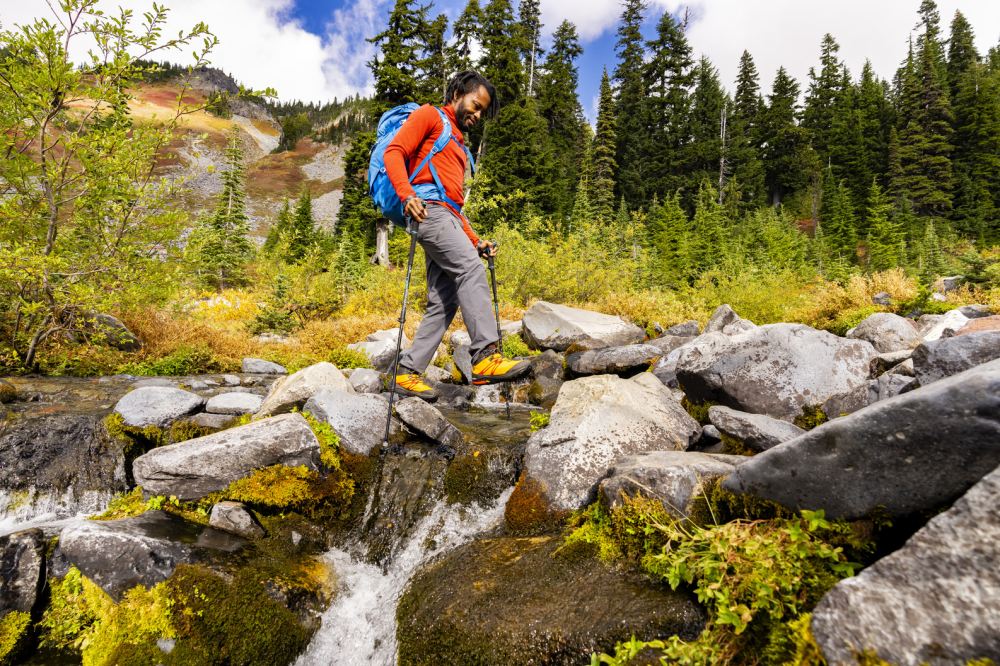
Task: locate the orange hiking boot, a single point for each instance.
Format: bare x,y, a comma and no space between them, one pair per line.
494,369
412,384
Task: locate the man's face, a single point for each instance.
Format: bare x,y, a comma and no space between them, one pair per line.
470,107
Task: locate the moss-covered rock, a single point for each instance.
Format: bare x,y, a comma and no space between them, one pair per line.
528,509
519,601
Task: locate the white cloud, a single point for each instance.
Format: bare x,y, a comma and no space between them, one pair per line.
591,17
261,45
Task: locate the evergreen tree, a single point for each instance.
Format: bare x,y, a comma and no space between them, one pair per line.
836,214
604,165
302,232
220,245
789,162
744,154
886,244
875,119
279,229
823,98
357,215
962,53
501,61
466,37
669,240
396,66
708,239
930,263
632,141
559,105
666,110
704,149
433,65
530,28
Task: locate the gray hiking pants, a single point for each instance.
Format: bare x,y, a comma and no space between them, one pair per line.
456,278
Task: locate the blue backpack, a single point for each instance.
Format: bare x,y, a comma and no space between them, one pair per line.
380,187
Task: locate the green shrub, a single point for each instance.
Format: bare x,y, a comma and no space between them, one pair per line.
14,627
345,358
185,360
514,347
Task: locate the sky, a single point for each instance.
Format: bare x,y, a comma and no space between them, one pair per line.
316,50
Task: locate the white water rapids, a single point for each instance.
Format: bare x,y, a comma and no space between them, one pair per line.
360,626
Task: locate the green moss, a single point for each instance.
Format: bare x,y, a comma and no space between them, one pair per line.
811,416
539,420
329,441
14,635
277,486
734,446
715,504
514,346
134,503
697,410
138,440
124,505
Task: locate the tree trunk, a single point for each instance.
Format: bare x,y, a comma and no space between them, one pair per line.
381,256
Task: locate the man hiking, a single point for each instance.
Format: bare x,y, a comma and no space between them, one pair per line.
456,277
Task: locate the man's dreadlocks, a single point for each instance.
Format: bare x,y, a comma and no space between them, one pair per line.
467,82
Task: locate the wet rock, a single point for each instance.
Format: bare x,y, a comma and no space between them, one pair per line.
596,421
943,358
22,570
358,419
613,360
689,328
429,422
155,381
882,298
980,325
7,392
549,364
553,326
544,392
234,518
934,601
916,452
157,406
380,347
757,431
518,601
56,452
199,466
293,390
933,327
887,332
885,386
976,311
674,478
258,366
453,395
776,369
366,380
234,403
212,421
725,320
120,554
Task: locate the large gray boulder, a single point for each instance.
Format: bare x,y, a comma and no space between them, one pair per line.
234,403
358,419
613,360
887,332
674,478
757,431
916,452
725,320
157,406
120,554
596,421
22,570
948,356
933,327
199,466
258,366
776,369
934,601
380,347
428,421
552,326
293,390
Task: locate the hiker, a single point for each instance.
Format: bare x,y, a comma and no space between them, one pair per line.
455,274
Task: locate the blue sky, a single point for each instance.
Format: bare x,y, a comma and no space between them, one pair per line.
313,50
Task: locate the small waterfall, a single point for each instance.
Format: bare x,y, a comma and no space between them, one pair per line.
23,509
360,626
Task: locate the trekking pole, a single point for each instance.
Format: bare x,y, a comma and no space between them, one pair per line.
412,230
496,311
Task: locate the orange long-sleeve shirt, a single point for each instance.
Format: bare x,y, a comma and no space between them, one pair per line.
413,143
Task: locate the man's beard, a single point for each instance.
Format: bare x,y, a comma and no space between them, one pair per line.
462,116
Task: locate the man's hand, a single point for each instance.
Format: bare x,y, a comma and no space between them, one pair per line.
415,209
486,248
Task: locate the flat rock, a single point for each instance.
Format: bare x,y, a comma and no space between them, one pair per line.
234,518
366,380
674,478
22,570
757,431
234,403
357,418
933,601
948,356
155,381
293,390
552,326
596,421
613,360
933,327
916,452
725,320
258,366
212,421
518,601
776,369
157,406
428,421
199,466
887,332
231,380
120,554
549,364
980,325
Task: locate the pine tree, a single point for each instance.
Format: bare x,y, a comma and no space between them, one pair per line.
669,239
630,131
278,230
823,97
704,127
357,215
433,65
709,245
302,232
875,120
501,61
789,162
885,239
604,166
220,245
744,155
396,66
962,53
836,214
466,37
530,28
930,263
